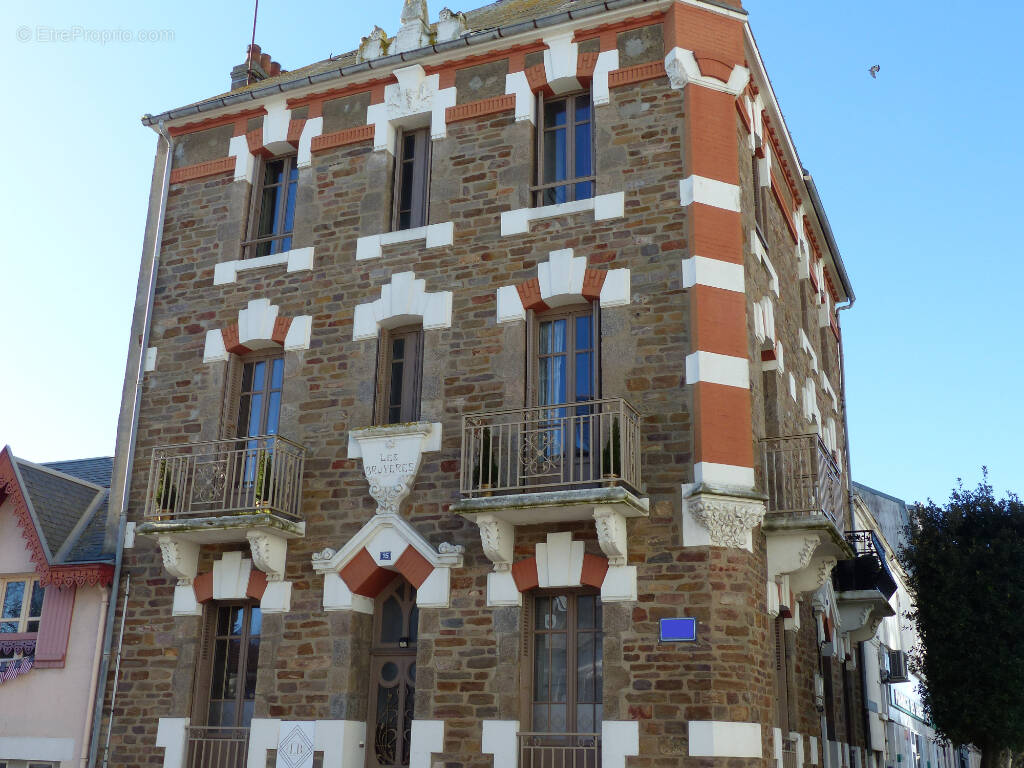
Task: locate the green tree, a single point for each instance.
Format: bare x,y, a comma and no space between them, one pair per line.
965,565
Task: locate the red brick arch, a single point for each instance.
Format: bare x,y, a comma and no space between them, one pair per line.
595,568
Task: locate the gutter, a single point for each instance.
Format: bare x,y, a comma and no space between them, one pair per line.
389,62
837,259
132,437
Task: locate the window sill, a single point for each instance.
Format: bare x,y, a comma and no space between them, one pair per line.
435,235
297,260
610,206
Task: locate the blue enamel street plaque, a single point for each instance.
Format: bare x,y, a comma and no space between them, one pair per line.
678,630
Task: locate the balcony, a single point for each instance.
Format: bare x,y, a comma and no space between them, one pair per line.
216,747
552,463
803,480
805,519
868,569
217,491
559,750
863,587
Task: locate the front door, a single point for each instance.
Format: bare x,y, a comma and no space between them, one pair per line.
392,676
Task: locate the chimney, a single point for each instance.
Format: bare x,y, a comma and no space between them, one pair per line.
256,66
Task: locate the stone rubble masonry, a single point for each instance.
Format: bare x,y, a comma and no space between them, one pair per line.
314,664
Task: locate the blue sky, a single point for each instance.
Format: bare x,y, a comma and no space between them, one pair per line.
919,171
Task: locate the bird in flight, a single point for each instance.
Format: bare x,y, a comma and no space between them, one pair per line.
874,71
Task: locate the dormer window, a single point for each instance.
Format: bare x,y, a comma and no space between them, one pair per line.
273,208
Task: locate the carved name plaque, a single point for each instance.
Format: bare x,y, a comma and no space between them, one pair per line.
391,458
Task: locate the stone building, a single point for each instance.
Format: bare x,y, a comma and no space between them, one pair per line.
485,407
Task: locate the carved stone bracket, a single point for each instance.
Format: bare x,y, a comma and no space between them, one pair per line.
497,538
391,458
181,558
611,534
720,519
683,68
269,553
860,613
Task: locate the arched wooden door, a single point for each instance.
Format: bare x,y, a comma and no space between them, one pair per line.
392,676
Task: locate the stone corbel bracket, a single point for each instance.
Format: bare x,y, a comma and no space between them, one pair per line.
181,558
720,517
683,68
355,574
391,458
269,552
799,561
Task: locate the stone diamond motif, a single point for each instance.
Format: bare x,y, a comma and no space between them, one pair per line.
295,750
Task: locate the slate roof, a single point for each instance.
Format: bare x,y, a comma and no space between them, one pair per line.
69,499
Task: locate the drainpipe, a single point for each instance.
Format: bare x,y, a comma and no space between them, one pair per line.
97,718
94,680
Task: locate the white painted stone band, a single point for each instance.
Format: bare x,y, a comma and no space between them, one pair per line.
427,738
717,738
404,299
700,189
609,206
150,361
713,368
297,260
619,739
714,273
433,235
723,475
499,738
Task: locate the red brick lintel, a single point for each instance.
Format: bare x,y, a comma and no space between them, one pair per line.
636,74
202,170
480,108
341,138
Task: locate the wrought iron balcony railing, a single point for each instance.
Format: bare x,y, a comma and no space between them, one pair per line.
869,568
216,747
559,750
551,447
226,477
802,478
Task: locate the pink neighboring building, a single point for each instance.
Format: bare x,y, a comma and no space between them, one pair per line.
56,567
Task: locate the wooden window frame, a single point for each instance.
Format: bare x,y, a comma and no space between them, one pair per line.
533,323
412,378
420,187
760,209
571,179
251,246
202,693
253,360
527,646
31,584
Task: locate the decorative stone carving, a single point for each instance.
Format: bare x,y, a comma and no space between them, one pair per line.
181,558
414,101
391,458
373,45
611,534
682,69
415,30
323,555
497,538
724,520
450,25
269,553
447,548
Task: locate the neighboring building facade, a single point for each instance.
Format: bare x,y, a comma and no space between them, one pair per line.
492,402
55,577
899,733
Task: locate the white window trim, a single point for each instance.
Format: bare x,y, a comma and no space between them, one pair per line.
605,207
24,619
296,260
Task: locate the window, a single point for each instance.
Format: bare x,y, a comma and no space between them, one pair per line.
759,212
259,399
226,685
412,168
393,675
565,150
273,208
399,371
22,604
566,645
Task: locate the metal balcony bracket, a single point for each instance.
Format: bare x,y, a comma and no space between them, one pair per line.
720,517
181,558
